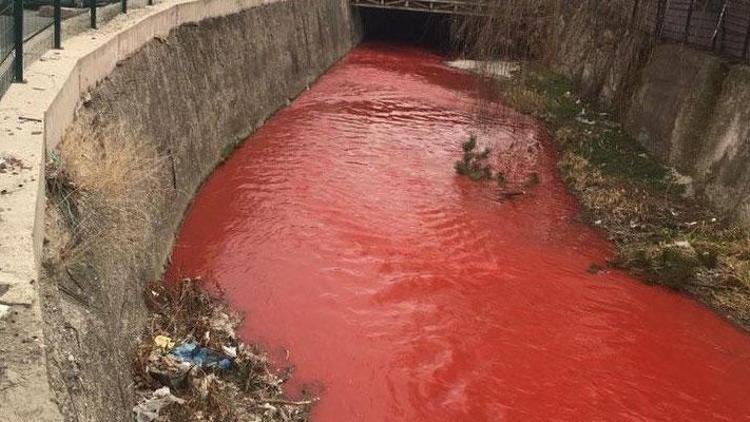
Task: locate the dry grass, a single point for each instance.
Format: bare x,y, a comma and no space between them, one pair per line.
103,181
524,100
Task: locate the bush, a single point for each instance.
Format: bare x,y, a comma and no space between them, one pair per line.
474,165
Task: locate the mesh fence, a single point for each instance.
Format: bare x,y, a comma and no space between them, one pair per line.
722,26
37,43
6,45
33,24
39,29
6,29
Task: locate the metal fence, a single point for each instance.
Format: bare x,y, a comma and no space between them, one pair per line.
7,45
19,27
721,26
22,27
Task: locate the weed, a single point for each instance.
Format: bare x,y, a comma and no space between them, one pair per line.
227,150
61,191
595,268
105,182
502,181
474,164
532,179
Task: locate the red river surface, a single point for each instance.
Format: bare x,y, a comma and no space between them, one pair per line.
403,292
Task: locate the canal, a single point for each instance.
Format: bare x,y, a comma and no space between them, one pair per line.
399,291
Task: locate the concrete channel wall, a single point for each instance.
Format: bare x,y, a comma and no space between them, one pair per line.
690,109
185,81
687,107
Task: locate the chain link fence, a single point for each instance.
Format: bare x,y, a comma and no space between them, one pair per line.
28,28
7,45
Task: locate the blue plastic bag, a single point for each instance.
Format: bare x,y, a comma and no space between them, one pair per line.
198,355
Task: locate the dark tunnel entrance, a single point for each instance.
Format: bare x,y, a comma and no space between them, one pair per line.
425,29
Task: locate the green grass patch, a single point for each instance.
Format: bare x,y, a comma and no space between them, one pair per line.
618,155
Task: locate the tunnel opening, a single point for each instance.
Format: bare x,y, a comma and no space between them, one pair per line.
430,30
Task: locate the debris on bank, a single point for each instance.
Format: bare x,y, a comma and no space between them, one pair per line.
191,366
148,409
663,231
10,164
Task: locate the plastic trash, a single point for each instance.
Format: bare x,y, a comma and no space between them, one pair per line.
230,351
147,410
196,354
164,342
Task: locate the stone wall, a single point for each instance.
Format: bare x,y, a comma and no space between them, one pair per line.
673,103
690,110
723,163
599,44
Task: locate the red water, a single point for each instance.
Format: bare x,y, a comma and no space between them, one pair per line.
407,293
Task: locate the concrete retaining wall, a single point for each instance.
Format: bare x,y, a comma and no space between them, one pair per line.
725,156
597,44
690,109
686,107
188,79
673,102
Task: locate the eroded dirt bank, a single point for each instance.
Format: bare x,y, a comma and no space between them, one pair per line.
127,169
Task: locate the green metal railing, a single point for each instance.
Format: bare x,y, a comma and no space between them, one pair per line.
7,44
20,27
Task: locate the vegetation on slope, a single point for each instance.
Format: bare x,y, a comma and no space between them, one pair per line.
662,233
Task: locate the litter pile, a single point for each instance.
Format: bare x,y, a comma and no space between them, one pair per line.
191,366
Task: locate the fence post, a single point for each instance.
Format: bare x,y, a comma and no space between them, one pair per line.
18,39
124,6
92,14
687,22
57,17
